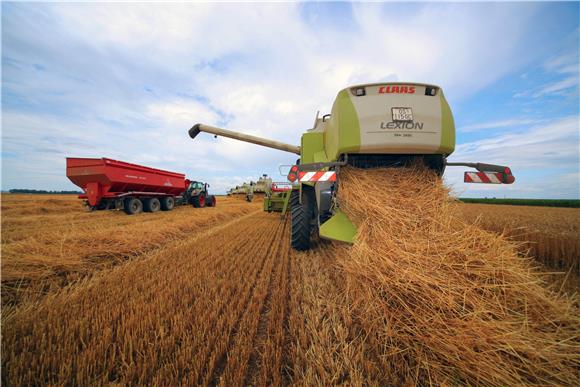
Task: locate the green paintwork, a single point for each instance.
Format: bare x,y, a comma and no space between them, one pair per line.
278,202
343,132
447,128
312,144
320,157
286,202
339,228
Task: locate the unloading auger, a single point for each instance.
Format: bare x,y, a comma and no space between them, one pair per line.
370,126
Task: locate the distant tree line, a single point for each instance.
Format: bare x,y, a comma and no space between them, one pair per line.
43,192
571,203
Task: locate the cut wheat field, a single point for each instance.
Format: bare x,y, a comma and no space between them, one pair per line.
550,234
216,296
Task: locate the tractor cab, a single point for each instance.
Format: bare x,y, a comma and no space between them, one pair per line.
195,187
198,195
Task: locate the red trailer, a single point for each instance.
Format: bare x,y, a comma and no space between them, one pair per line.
113,184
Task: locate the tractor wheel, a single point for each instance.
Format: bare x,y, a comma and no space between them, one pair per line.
302,215
210,201
132,206
167,203
151,205
199,201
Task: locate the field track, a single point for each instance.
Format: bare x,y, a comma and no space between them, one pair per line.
220,306
171,314
195,296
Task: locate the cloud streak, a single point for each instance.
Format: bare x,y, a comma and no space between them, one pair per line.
543,157
498,124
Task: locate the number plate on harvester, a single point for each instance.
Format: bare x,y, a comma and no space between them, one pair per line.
402,114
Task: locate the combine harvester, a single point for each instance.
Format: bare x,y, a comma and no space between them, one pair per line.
249,190
114,185
370,126
278,196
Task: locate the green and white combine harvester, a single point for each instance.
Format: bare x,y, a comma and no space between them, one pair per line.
370,126
278,195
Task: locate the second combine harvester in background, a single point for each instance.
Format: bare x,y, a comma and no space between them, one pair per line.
370,126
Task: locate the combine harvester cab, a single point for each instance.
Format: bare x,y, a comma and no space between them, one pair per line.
370,126
112,184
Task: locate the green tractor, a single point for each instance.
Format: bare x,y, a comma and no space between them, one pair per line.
370,126
197,194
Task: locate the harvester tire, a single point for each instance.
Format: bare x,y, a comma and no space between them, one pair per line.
302,214
167,203
199,201
151,205
132,206
294,198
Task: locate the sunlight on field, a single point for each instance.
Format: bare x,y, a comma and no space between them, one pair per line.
49,241
552,235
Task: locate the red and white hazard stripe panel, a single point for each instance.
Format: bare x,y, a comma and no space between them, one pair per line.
483,177
317,176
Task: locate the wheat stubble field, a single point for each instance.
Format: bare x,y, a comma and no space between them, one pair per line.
216,296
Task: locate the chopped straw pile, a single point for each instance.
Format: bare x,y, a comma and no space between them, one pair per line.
442,301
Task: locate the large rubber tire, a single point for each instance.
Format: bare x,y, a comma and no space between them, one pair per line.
210,201
294,198
167,203
132,206
302,215
199,201
151,205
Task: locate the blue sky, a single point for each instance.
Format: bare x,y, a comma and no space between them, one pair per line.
127,81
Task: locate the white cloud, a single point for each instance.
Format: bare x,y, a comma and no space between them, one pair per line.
565,63
545,160
498,124
180,113
129,80
566,68
557,87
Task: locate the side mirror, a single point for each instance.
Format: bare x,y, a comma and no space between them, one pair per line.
284,170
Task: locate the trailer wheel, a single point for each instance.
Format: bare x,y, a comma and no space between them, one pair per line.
199,201
151,205
302,215
167,203
132,206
